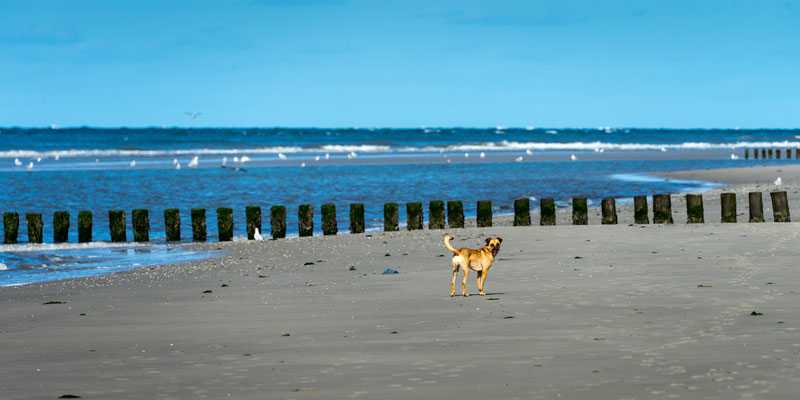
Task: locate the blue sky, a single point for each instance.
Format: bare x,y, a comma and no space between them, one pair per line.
362,63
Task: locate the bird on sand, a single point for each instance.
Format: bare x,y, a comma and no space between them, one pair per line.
257,235
778,181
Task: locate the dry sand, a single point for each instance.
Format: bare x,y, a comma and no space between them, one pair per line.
571,312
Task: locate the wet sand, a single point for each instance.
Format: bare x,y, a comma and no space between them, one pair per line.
574,312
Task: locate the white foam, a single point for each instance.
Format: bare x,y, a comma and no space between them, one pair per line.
65,246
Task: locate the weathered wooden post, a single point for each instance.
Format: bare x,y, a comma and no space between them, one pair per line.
522,212
60,227
640,215
756,207
455,214
746,154
10,227
199,224
764,153
172,224
788,153
306,220
278,221
778,153
414,216
141,225
780,207
609,210
329,226
252,216
484,214
755,153
84,226
357,218
225,224
547,212
694,209
34,227
797,152
769,153
580,211
391,217
728,201
436,215
662,209
116,225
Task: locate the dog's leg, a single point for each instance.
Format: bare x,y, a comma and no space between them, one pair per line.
455,273
483,280
464,282
480,283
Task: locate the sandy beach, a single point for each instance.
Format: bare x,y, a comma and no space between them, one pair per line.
703,311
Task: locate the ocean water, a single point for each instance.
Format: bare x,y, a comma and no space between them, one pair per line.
48,170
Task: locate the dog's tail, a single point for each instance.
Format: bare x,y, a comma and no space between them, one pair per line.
447,239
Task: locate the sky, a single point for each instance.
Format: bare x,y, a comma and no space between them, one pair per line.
387,63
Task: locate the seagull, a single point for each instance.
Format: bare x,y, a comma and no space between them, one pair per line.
57,157
244,158
236,159
573,157
466,155
178,166
302,165
29,166
174,161
224,161
193,115
518,159
17,162
39,159
528,152
483,155
778,181
316,158
448,161
133,163
327,156
663,149
353,153
281,156
193,163
734,157
257,235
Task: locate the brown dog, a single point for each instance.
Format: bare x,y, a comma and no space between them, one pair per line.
479,260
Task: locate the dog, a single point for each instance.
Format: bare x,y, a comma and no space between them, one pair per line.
478,260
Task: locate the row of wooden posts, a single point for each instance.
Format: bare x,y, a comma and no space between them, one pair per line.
771,153
662,214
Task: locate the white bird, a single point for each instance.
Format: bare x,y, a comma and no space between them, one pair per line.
302,165
281,156
466,155
349,156
573,157
528,152
57,157
316,158
224,161
734,157
244,159
193,115
133,163
664,149
17,162
257,235
778,181
236,159
483,155
448,161
327,156
29,166
353,153
39,159
178,166
174,161
518,159
193,163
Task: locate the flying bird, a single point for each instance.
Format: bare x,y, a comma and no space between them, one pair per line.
193,163
193,115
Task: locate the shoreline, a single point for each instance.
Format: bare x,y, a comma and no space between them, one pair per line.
598,311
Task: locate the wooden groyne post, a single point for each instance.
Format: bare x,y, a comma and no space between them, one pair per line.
225,224
780,207
34,227
640,214
10,227
609,211
580,211
728,201
755,153
329,226
85,226
305,220
60,227
172,224
391,217
278,221
694,209
357,218
662,209
141,225
252,215
547,212
522,212
746,154
484,219
414,216
199,232
455,214
116,225
764,153
756,207
436,219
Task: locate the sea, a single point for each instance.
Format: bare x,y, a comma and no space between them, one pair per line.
44,170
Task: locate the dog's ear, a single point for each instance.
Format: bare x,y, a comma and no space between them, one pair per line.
499,239
488,240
